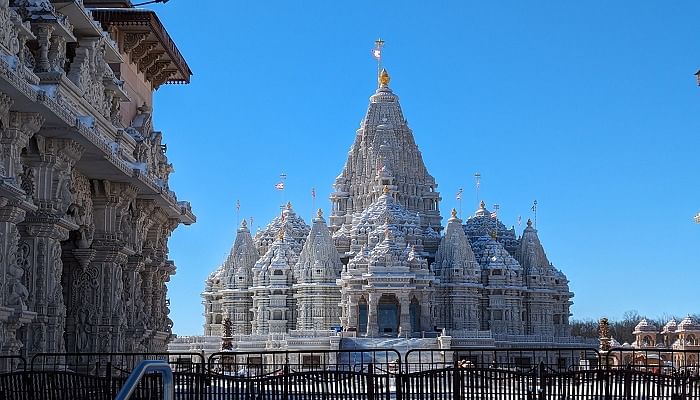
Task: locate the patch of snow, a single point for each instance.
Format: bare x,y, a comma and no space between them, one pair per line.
114,146
87,120
12,61
141,166
135,134
50,90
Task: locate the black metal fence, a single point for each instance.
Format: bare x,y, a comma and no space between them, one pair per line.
454,374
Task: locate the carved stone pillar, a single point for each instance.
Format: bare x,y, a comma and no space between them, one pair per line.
110,258
426,318
14,295
161,323
57,54
80,287
42,234
43,36
405,316
134,307
155,275
147,297
372,323
19,128
113,205
80,279
49,163
350,316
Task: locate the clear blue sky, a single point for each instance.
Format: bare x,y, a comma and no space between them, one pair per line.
588,107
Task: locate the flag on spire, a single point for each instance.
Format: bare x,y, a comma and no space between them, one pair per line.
238,205
534,206
279,186
520,220
313,193
459,194
377,51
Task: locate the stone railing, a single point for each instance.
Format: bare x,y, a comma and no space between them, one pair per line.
196,339
296,334
544,339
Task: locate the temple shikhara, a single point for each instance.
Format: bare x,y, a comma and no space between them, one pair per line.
85,205
382,267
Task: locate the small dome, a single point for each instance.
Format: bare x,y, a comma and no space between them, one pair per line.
644,326
670,326
482,211
688,324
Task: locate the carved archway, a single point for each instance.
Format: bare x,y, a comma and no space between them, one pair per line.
388,312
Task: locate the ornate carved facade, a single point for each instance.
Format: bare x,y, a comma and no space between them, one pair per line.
384,267
85,207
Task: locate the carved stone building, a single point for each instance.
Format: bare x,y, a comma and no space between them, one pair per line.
85,206
396,273
676,345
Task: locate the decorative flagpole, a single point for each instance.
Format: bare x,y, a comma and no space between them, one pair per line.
281,186
238,212
534,210
459,199
496,207
377,54
313,201
477,177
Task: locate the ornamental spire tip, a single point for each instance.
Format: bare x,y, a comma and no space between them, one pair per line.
384,78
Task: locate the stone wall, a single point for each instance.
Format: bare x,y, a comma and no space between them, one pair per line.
85,208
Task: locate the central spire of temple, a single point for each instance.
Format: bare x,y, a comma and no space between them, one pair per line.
385,154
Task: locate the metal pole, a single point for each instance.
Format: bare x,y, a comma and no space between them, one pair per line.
477,176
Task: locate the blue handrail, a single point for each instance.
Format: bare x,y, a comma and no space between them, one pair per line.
142,369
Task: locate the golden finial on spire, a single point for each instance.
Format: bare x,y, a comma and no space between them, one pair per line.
384,78
529,223
280,234
386,189
454,213
494,235
482,205
244,223
319,213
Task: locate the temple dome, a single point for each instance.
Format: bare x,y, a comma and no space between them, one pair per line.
319,261
670,326
485,223
644,326
237,269
292,225
688,324
454,260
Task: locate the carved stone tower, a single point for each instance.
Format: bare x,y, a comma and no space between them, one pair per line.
457,305
238,275
385,154
316,293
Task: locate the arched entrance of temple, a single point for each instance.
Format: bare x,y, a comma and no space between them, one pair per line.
388,315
